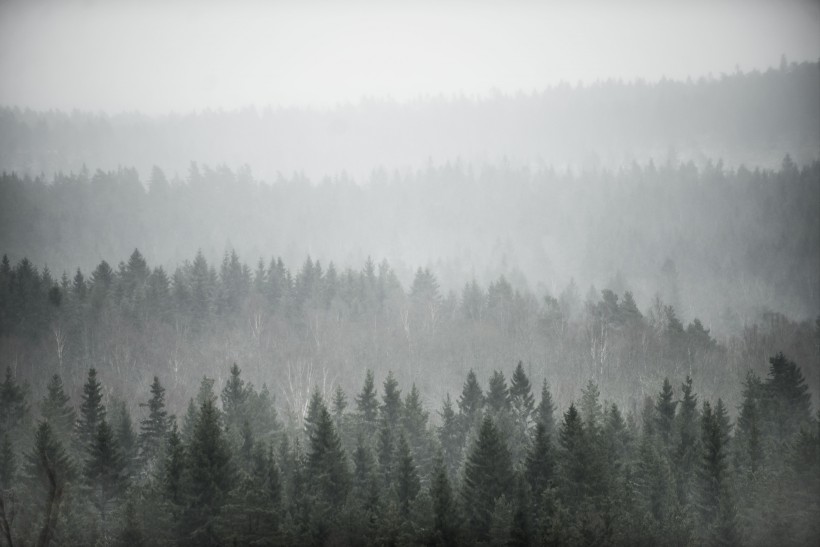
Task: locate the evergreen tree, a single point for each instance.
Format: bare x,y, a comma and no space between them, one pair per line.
14,410
540,462
521,398
574,456
339,406
498,395
92,412
665,413
591,410
126,438
173,468
154,428
55,410
210,477
450,437
327,466
715,503
391,402
105,473
686,452
488,476
8,465
787,400
749,441
471,401
367,406
546,409
445,509
407,477
235,396
48,470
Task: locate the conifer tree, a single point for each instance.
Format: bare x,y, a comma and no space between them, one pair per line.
445,508
327,466
498,395
235,396
715,503
471,401
686,451
154,428
450,437
407,477
546,409
339,406
391,406
488,476
210,477
92,412
540,463
367,406
105,473
14,410
521,398
592,411
787,400
665,413
48,470
574,456
173,468
125,438
55,409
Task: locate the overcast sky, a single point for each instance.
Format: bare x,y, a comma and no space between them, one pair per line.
182,56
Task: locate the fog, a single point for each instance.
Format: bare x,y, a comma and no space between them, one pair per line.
386,273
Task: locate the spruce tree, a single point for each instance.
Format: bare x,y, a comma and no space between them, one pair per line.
55,409
546,409
450,437
154,428
715,503
787,400
92,412
665,413
14,410
407,477
521,398
105,473
471,402
592,411
235,396
391,406
367,405
47,471
498,395
445,507
488,476
326,463
210,477
539,464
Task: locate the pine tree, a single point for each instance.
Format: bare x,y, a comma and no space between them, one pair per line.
48,470
339,406
92,412
407,477
665,413
521,398
210,477
574,456
327,467
498,395
540,463
749,426
445,508
55,410
546,409
591,410
391,402
488,476
105,473
385,455
235,396
14,410
686,452
715,503
367,406
414,420
173,468
787,400
125,437
450,437
154,428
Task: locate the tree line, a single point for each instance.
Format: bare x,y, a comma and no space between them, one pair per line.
322,325
497,466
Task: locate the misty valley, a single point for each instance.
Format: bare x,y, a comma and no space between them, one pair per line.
409,274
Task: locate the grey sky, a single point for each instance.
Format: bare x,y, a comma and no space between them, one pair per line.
181,56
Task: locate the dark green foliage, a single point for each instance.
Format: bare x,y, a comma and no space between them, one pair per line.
154,428
391,407
665,413
488,476
407,477
546,408
786,398
450,437
92,412
498,395
14,410
105,473
715,502
540,463
367,405
55,410
210,476
445,508
326,462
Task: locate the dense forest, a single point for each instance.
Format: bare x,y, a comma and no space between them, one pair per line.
725,245
386,278
501,466
749,118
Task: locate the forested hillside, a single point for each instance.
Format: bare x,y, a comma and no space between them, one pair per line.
500,465
724,245
751,118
